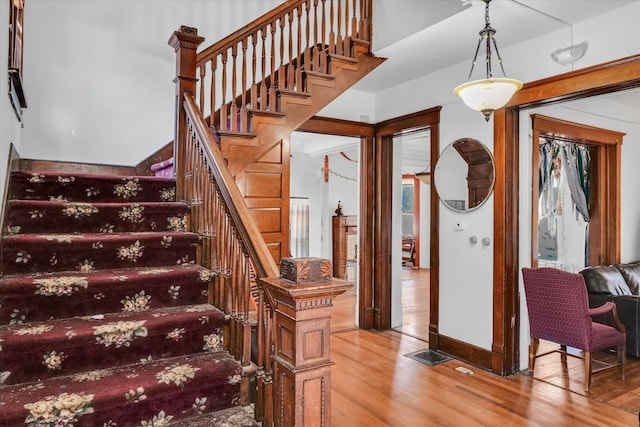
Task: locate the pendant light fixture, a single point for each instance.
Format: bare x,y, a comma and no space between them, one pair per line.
491,93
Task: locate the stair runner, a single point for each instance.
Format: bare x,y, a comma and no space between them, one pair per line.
104,318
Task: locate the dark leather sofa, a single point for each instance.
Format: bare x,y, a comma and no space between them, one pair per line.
619,283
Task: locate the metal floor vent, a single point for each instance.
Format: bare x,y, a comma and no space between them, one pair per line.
428,357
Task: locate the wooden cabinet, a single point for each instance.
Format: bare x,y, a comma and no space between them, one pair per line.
345,246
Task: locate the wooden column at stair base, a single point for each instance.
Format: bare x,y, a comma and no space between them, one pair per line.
185,41
302,374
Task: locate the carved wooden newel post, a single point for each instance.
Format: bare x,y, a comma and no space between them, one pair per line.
302,302
185,41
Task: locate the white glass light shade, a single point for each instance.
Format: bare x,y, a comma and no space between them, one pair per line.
425,177
487,95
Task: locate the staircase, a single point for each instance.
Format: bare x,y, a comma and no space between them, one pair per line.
121,307
104,319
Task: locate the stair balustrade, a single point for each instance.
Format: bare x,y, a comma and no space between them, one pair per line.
244,71
217,92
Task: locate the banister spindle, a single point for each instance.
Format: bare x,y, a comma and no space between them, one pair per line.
234,87
202,73
254,67
263,70
332,34
243,93
272,81
354,21
212,97
339,40
346,49
281,71
291,68
323,55
223,105
306,49
316,38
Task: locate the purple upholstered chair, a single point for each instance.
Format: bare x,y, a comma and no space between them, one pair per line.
559,312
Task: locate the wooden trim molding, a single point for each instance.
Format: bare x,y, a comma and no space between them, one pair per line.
608,77
605,146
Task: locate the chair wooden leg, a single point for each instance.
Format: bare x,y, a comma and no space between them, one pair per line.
533,349
622,359
587,370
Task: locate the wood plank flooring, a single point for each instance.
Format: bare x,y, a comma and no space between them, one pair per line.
374,384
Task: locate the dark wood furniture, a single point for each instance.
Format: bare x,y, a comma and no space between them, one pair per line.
344,244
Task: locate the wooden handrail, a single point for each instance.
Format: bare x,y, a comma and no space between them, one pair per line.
245,70
246,31
251,237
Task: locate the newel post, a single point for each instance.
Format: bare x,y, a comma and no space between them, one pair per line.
185,41
302,302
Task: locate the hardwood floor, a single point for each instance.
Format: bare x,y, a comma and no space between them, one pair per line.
373,384
415,302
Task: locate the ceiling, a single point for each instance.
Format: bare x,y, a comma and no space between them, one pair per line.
440,33
454,24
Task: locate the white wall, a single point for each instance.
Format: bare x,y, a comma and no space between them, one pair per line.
466,271
99,96
10,130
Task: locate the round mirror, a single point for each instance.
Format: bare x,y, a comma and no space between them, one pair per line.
464,175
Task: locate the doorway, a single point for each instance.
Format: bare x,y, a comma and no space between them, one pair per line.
411,232
325,211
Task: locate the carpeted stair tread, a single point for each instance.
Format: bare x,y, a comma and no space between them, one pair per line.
41,296
66,346
32,185
167,389
38,216
29,253
230,417
104,319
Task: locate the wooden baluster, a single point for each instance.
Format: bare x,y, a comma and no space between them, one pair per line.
339,39
264,105
274,82
282,77
260,360
223,107
212,97
243,90
233,114
308,64
246,321
332,34
218,259
229,300
271,408
346,48
253,96
291,66
367,19
354,21
316,38
323,54
202,73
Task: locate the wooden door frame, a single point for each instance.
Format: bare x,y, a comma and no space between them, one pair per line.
604,225
609,77
374,292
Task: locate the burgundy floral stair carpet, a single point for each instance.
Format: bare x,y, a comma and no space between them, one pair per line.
104,318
